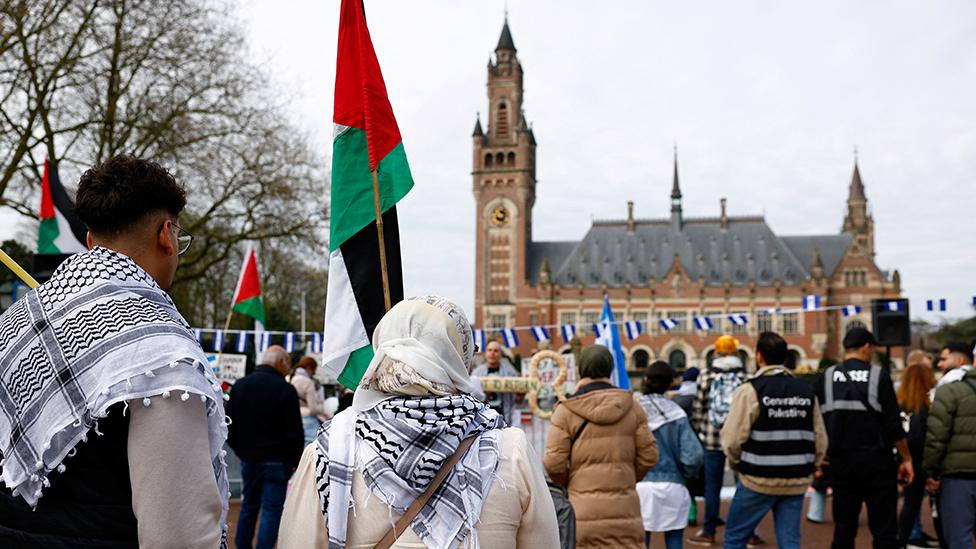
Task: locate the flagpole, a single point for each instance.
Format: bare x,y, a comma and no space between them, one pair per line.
382,241
29,280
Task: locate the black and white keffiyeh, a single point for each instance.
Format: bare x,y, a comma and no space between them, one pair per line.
101,331
399,445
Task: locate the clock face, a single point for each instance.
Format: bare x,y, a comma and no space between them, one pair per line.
499,216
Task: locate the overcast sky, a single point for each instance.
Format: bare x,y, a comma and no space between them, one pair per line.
766,101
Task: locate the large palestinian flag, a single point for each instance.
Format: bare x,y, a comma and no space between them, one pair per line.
366,138
60,230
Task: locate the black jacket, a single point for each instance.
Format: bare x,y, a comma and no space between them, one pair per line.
266,424
89,505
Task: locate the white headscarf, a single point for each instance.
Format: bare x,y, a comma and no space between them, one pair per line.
428,336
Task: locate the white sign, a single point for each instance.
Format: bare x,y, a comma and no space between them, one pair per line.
230,368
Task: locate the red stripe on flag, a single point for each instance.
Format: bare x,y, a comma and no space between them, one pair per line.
360,93
47,204
248,285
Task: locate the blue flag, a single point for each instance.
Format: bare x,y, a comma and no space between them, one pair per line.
609,337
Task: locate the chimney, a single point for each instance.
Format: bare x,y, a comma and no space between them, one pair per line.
724,219
630,216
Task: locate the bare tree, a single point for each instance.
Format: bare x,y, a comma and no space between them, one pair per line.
81,81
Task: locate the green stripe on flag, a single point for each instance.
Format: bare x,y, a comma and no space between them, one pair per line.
352,206
47,233
356,367
253,308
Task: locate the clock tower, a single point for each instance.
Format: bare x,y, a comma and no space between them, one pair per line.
503,181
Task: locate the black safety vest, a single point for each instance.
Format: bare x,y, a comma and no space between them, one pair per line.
782,441
852,411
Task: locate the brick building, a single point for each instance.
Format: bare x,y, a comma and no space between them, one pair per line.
675,267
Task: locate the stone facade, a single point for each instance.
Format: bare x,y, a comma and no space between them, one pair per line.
675,267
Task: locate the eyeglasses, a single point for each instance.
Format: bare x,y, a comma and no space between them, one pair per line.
183,239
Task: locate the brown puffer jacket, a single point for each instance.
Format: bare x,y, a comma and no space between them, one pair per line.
613,452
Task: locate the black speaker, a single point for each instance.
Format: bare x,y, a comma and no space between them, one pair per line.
891,324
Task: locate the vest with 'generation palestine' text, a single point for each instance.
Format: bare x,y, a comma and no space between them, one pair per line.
782,441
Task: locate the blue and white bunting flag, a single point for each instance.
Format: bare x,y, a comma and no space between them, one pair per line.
974,301
703,323
510,338
811,302
771,311
241,345
610,338
567,331
218,341
892,305
540,333
851,310
738,319
198,333
262,340
935,305
667,324
479,339
634,329
290,342
317,342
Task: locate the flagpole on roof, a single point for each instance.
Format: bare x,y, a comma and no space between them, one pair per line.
379,234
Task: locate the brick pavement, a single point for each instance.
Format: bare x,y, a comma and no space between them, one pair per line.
813,535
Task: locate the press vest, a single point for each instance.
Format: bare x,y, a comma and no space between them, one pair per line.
782,441
851,407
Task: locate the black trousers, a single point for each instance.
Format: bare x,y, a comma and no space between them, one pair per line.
869,478
912,505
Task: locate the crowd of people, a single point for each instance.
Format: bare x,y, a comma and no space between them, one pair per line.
113,426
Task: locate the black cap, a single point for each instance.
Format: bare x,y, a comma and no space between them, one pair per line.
858,337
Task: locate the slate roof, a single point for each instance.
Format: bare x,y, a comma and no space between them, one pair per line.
747,250
505,41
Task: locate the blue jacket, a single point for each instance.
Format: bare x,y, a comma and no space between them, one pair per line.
680,454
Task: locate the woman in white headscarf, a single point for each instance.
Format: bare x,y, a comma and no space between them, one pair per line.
411,411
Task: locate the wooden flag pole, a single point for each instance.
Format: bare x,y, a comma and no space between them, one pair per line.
31,283
379,233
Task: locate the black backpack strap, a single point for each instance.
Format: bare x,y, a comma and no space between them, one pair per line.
971,386
579,432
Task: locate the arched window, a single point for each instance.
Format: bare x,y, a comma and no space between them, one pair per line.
502,119
677,359
640,360
489,160
499,159
511,159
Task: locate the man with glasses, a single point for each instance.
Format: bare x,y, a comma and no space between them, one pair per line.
108,408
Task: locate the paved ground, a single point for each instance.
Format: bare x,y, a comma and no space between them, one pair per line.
813,535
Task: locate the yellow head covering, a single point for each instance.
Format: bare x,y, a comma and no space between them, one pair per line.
726,345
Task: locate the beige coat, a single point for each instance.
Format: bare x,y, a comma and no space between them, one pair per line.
602,468
518,512
738,426
308,396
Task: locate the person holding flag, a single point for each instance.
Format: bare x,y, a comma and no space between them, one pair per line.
608,335
110,410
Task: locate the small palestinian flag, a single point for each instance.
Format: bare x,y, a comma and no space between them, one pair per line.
60,231
247,296
366,138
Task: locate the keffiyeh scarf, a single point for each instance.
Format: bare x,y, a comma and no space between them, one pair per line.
101,331
399,445
660,410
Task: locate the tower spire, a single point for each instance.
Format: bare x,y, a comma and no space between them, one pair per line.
676,220
856,191
505,41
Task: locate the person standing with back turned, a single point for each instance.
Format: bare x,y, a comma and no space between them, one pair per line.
863,424
266,433
775,439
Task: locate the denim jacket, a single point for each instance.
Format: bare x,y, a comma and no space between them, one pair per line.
680,454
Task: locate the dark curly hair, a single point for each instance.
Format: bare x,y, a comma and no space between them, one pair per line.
123,190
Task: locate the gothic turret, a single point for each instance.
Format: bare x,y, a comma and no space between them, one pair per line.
676,221
858,221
